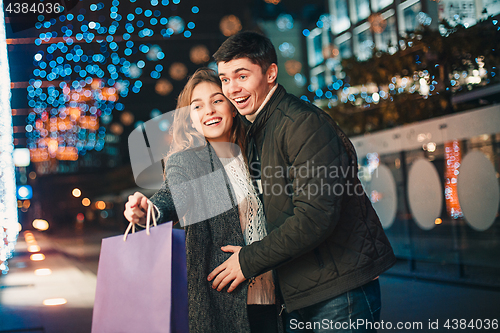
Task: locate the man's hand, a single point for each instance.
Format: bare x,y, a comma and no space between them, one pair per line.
228,271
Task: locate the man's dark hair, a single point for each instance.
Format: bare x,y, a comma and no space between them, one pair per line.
256,47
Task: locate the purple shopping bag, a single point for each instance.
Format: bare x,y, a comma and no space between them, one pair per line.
134,283
179,316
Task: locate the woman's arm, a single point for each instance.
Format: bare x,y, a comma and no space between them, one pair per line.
168,208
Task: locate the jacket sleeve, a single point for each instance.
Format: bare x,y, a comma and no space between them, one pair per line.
318,163
172,206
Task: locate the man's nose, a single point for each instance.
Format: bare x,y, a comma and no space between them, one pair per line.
233,87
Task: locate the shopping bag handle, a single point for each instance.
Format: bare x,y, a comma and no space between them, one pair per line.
150,215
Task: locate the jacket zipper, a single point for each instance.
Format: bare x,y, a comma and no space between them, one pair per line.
282,308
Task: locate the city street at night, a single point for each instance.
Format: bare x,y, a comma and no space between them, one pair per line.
72,257
303,147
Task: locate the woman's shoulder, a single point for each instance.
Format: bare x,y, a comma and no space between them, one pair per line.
185,157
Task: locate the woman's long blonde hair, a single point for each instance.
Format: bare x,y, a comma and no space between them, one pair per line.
184,136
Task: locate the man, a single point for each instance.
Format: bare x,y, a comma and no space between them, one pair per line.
325,241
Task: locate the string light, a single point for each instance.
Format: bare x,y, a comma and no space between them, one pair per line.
75,87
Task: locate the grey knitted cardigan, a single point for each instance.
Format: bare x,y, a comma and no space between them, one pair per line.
209,309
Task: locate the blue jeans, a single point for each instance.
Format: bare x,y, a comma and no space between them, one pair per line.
354,311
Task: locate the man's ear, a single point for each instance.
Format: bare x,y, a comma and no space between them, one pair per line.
272,73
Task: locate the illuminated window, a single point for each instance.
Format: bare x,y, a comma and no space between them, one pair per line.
492,7
340,16
380,4
315,47
408,11
360,9
463,12
343,44
363,42
387,40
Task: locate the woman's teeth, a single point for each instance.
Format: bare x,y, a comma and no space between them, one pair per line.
213,121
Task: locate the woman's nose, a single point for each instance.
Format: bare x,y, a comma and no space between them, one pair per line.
210,109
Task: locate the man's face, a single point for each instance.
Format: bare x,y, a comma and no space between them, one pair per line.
245,85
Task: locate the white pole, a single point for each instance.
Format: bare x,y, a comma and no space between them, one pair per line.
8,206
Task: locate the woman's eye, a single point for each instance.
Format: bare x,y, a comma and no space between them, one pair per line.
218,101
196,107
243,77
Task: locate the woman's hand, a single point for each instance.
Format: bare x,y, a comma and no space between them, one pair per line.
136,208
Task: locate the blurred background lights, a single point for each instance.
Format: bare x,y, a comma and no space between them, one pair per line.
164,125
69,65
40,224
33,248
176,24
134,71
37,257
424,19
21,157
86,202
330,51
127,118
230,25
163,87
154,113
377,23
24,192
116,128
287,50
178,71
154,53
76,193
199,54
54,301
100,205
293,67
43,271
284,22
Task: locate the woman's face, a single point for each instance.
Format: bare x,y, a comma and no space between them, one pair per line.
212,114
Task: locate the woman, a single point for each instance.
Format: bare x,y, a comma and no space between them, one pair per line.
203,169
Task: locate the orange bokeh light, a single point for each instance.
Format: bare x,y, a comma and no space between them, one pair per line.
43,271
33,248
37,257
55,301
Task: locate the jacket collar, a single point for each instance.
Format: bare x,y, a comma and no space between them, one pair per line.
266,111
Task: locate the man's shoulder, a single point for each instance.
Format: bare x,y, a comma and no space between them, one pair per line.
293,108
